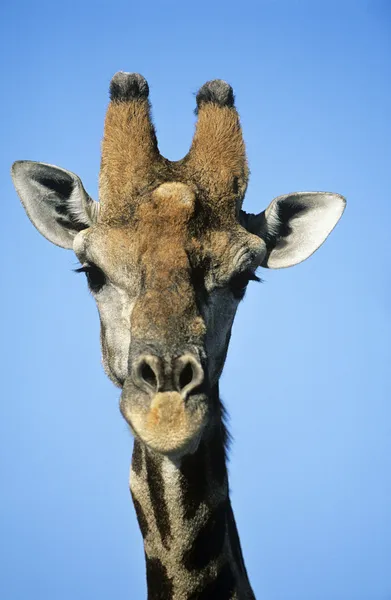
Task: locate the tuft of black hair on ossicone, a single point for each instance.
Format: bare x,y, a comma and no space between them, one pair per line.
125,87
217,92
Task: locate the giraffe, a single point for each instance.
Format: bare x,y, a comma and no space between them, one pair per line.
168,253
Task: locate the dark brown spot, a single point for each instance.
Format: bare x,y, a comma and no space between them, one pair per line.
209,541
141,518
156,489
137,458
234,540
159,584
217,457
193,481
220,588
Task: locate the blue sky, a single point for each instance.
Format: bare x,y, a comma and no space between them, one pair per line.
307,381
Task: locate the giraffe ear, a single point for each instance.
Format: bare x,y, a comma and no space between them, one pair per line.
55,200
295,225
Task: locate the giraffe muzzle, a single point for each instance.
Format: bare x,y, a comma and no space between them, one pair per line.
165,404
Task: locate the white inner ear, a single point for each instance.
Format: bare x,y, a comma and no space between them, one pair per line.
296,225
55,201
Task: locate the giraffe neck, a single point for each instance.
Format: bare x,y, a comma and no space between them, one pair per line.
191,544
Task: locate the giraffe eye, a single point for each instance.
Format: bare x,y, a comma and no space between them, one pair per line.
95,277
238,283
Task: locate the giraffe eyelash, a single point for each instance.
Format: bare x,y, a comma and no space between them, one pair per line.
239,282
95,276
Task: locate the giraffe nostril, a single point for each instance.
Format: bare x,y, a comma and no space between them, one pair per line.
188,374
147,373
183,374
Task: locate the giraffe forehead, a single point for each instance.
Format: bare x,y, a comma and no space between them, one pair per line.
168,227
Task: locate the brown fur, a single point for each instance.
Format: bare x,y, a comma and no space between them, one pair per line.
129,154
217,158
132,166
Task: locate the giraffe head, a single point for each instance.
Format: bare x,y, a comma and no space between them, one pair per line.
168,253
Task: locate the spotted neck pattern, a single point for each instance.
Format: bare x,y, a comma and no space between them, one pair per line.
191,543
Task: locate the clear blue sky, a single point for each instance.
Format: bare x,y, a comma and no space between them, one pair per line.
307,381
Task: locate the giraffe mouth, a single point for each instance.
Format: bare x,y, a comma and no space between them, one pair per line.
168,423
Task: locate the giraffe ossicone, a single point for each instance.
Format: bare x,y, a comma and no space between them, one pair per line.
168,253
